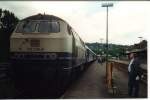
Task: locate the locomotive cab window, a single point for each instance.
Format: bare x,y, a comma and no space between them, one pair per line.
48,27
26,27
38,27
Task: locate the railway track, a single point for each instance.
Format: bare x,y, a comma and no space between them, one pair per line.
4,71
6,86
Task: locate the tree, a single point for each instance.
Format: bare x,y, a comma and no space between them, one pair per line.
8,22
114,49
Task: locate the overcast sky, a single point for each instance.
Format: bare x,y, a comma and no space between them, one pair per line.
128,20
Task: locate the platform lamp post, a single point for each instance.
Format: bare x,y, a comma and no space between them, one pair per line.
107,5
140,41
140,38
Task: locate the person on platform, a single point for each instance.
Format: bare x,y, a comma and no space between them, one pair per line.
100,59
135,74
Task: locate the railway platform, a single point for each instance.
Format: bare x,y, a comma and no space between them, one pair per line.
92,84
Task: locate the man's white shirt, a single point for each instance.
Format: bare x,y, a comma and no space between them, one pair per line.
129,67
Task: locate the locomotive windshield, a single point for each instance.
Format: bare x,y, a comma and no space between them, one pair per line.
38,27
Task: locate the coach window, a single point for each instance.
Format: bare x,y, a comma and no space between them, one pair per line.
75,35
69,30
82,42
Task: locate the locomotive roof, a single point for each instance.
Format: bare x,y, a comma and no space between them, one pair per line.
43,17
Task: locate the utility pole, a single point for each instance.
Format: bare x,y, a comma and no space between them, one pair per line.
140,41
140,38
107,5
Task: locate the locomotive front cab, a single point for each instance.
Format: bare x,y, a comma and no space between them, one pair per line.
39,36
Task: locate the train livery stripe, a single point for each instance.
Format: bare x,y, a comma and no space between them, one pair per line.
41,55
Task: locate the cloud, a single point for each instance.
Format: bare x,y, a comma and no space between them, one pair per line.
127,20
21,9
126,23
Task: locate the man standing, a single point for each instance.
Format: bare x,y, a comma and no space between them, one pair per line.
100,59
135,74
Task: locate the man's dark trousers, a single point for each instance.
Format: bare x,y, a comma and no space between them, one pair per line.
133,86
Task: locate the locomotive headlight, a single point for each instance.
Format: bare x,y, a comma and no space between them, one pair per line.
17,56
14,55
52,56
22,56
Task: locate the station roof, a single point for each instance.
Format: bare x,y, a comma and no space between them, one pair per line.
137,50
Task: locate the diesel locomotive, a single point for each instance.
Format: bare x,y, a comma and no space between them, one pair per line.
46,53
